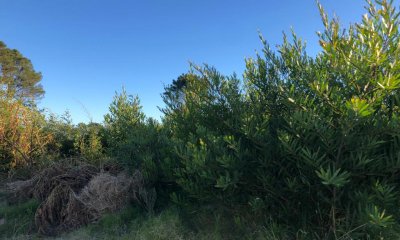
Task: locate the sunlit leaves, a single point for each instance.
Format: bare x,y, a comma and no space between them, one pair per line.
22,136
379,218
331,177
360,107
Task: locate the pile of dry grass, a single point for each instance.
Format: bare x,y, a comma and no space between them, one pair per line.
107,193
42,184
75,177
62,211
112,168
72,196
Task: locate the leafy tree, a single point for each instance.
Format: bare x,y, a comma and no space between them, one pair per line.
18,79
139,143
205,138
125,116
174,93
22,137
127,133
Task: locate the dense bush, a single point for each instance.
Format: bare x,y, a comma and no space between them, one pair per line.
63,132
22,137
312,142
136,141
89,141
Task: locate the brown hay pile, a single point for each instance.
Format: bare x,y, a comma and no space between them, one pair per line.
42,184
112,167
107,193
61,211
73,196
75,177
66,209
45,183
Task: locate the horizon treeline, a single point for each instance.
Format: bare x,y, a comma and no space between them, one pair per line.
310,144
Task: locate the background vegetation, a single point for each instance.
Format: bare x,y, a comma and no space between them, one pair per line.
300,147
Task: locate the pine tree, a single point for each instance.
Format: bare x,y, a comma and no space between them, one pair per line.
18,79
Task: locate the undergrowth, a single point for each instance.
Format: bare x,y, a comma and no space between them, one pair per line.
17,219
134,223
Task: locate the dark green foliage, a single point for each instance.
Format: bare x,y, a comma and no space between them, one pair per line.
18,79
137,142
83,140
63,132
125,116
201,129
116,224
312,142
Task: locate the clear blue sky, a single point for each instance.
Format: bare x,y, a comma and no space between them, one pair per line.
88,49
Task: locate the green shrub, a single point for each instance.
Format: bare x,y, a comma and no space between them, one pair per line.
312,142
88,142
63,132
136,141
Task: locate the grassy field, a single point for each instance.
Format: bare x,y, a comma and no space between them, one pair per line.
133,223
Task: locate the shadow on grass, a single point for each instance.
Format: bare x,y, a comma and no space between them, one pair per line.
17,220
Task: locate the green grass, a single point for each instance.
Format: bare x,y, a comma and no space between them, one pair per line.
166,225
134,223
18,219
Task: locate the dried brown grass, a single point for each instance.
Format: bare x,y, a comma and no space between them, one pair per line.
75,177
42,184
107,193
72,196
62,211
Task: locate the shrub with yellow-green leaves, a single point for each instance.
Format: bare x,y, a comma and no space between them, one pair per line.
22,136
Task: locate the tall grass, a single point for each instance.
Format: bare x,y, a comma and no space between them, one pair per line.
18,219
